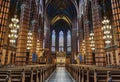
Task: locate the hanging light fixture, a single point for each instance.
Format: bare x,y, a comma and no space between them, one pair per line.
14,26
92,42
106,30
13,29
106,27
29,40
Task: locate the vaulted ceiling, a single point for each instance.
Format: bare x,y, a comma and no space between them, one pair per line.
61,10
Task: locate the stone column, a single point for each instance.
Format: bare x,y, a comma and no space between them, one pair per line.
22,35
99,42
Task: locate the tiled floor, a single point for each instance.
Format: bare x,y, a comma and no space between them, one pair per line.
61,75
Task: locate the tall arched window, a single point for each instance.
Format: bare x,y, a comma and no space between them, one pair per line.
68,41
53,41
61,41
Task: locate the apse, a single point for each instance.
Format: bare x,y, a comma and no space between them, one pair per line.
61,15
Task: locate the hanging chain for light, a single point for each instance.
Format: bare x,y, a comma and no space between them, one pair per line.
106,27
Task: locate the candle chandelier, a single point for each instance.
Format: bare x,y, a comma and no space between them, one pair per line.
29,40
106,30
13,29
92,42
106,27
14,26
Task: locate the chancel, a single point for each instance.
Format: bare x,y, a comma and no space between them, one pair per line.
59,40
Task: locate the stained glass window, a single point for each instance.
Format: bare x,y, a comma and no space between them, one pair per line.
53,41
61,41
68,41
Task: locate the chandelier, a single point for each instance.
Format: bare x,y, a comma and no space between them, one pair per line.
29,40
106,30
13,29
92,42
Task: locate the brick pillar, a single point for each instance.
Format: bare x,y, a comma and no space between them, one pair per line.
35,30
87,33
116,27
34,41
81,34
87,43
4,10
99,42
22,36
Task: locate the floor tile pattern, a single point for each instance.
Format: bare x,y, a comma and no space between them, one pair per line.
61,75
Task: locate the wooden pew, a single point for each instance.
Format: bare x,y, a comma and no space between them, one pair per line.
32,73
86,73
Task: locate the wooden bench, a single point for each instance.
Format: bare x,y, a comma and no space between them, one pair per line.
86,73
32,73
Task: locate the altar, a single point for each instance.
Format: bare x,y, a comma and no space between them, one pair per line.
61,58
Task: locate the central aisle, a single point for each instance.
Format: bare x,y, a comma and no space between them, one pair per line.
60,75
